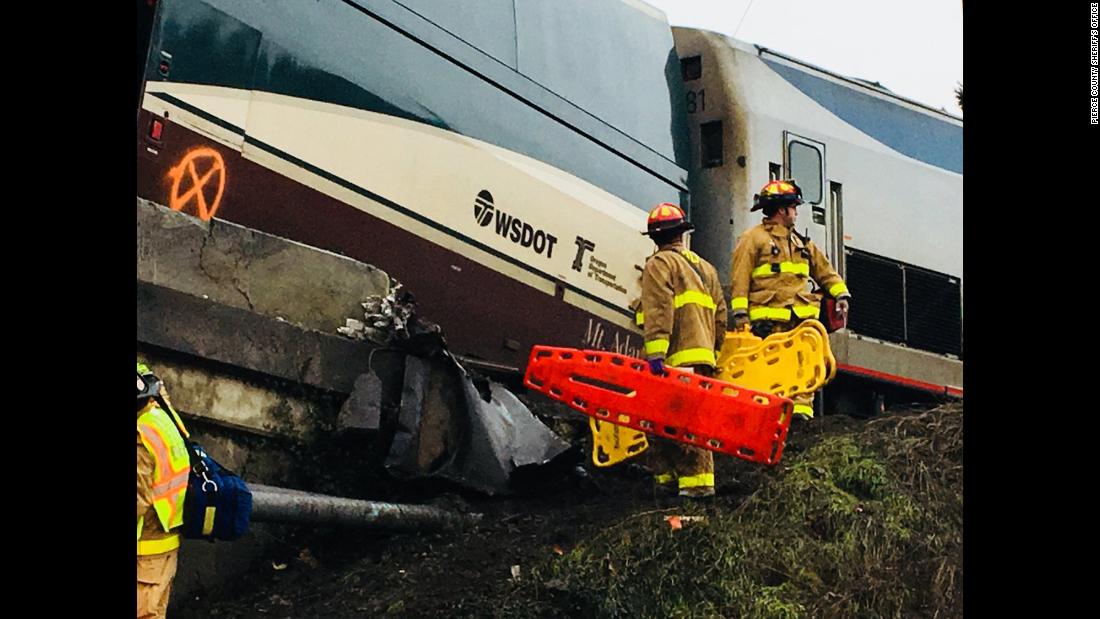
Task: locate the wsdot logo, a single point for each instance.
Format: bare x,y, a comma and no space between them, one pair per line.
483,208
512,228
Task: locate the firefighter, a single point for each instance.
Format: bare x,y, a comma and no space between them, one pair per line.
684,321
772,265
162,472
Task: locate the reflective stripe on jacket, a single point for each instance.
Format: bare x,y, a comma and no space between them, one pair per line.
771,265
163,469
639,316
683,307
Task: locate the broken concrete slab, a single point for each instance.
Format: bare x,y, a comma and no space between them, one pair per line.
247,269
363,408
233,402
216,332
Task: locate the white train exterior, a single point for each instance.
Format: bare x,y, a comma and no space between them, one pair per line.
882,177
500,161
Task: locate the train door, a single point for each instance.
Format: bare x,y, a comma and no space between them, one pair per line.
820,217
835,227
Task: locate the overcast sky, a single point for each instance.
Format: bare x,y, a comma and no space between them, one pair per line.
912,48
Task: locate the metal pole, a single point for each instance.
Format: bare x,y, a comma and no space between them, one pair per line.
273,504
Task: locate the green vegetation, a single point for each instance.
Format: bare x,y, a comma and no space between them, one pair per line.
867,524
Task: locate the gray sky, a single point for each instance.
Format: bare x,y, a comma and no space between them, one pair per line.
912,48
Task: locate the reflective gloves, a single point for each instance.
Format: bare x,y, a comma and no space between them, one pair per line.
657,366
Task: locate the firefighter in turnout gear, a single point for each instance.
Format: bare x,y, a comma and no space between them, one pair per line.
163,466
772,265
684,321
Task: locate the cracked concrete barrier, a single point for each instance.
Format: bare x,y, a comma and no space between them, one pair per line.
244,268
242,327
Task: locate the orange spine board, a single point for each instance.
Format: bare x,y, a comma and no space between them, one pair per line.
681,406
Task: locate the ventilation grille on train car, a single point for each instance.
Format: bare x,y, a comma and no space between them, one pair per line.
933,320
877,307
903,303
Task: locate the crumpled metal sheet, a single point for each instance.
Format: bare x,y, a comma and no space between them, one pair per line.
446,428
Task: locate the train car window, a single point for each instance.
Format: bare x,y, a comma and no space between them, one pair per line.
775,171
806,170
691,68
710,138
145,12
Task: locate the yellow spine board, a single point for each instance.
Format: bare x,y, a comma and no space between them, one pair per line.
611,444
796,361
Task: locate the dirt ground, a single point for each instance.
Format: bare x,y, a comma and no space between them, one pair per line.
348,573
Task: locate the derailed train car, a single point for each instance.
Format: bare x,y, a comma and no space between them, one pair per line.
495,157
499,158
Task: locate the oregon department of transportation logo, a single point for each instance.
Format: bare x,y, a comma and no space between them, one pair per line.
483,208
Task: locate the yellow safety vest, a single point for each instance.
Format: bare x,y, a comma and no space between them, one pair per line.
172,465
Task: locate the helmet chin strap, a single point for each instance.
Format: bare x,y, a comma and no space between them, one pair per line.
148,387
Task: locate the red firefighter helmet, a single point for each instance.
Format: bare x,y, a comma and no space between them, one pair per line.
777,193
667,217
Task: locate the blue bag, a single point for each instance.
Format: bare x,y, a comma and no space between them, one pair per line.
218,504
